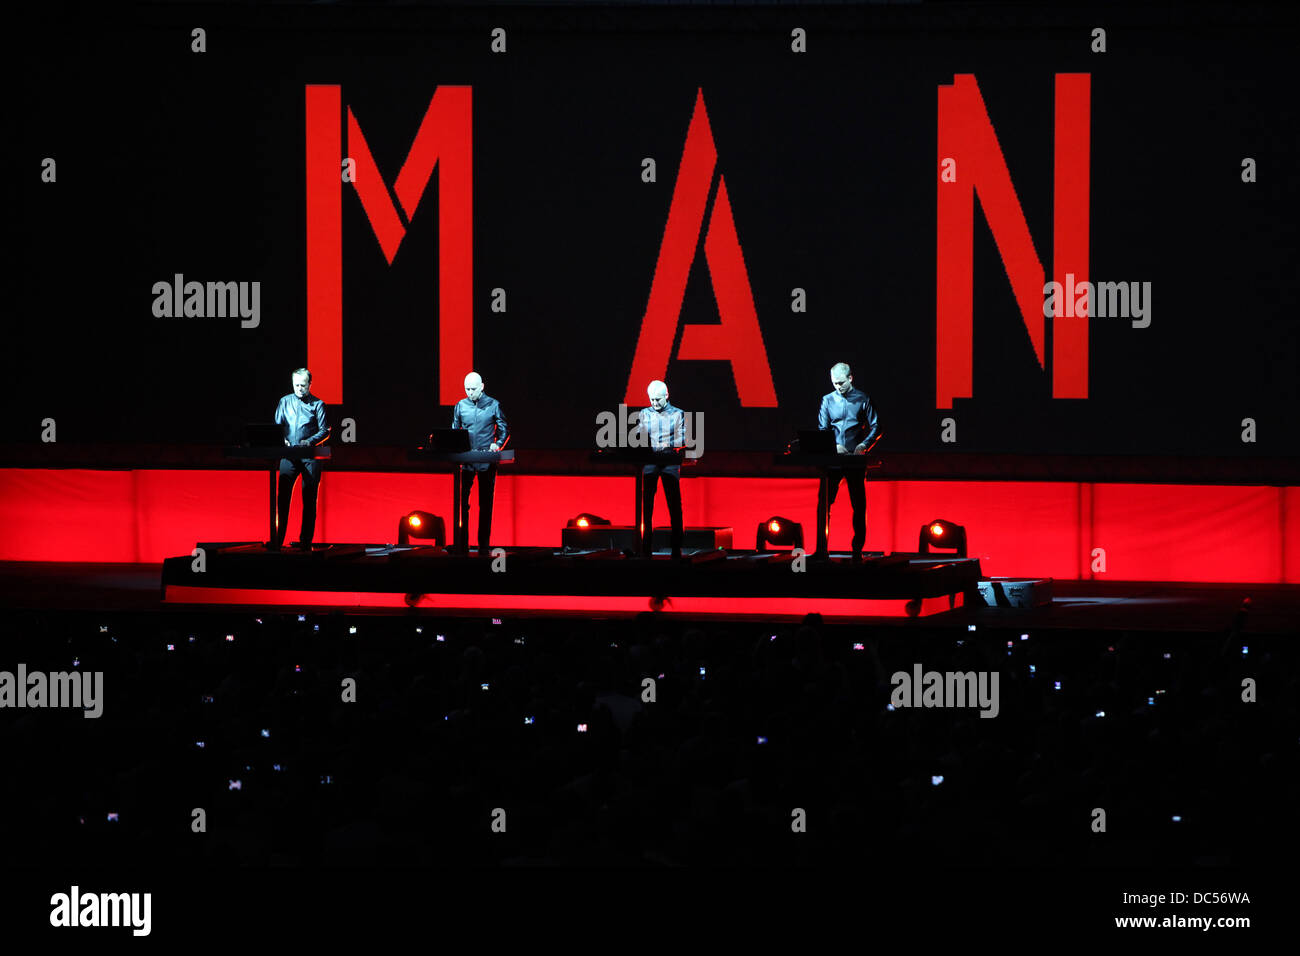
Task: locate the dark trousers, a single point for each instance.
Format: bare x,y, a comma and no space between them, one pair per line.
487,483
673,495
856,479
289,471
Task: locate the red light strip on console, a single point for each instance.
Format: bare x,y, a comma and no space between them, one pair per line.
597,605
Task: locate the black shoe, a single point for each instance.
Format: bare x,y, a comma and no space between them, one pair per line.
677,554
302,546
857,557
271,546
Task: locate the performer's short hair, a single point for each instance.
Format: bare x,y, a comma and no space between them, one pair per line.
841,368
303,371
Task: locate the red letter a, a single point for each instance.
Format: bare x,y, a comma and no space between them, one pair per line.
737,337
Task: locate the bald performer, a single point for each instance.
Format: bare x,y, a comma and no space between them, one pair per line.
665,426
482,417
847,410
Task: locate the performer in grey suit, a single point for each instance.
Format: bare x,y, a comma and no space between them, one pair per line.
482,417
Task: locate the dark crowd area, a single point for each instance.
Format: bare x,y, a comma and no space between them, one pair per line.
542,726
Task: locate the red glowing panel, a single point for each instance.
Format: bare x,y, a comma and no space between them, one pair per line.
1050,529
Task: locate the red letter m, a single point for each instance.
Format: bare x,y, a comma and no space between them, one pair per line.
445,138
966,136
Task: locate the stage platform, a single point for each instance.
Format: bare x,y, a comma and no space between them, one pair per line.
588,582
81,588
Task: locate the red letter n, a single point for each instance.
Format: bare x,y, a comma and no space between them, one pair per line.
966,136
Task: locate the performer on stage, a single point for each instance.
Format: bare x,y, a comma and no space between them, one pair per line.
665,427
481,415
303,415
848,411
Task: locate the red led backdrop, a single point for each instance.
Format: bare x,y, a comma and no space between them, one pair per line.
716,210
1148,532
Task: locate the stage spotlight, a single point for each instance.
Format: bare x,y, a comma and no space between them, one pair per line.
586,520
778,531
942,534
421,524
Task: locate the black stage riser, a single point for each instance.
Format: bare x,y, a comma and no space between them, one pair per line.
540,571
618,537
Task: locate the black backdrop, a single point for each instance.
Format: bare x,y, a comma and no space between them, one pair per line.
171,161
